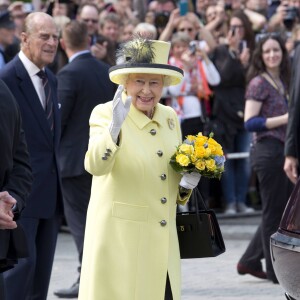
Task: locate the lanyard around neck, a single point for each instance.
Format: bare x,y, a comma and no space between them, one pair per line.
273,82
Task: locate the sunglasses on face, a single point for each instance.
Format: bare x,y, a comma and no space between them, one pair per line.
235,27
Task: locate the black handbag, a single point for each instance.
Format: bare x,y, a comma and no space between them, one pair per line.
199,233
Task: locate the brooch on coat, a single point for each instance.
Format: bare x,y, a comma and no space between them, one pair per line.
171,123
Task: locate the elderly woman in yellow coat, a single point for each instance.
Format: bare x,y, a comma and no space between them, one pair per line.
131,247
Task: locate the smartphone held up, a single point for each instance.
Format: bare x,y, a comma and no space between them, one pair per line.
183,7
242,45
196,45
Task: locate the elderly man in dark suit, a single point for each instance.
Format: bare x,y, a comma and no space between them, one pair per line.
292,144
82,84
15,182
34,88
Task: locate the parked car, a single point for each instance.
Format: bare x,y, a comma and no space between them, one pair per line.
285,247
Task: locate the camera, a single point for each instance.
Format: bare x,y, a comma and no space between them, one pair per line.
227,7
242,45
161,19
193,47
290,18
100,39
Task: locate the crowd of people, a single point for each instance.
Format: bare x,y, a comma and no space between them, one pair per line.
225,68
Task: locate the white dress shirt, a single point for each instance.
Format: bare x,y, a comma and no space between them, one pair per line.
32,70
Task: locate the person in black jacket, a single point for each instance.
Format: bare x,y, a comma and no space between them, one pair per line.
228,111
15,182
292,143
34,88
82,84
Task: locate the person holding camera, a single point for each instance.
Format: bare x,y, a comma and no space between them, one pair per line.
107,39
190,25
164,13
217,22
232,61
286,16
191,98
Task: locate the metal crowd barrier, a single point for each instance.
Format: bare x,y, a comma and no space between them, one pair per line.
237,155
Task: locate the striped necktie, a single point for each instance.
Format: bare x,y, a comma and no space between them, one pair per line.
48,99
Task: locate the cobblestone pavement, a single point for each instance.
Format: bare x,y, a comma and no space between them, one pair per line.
202,279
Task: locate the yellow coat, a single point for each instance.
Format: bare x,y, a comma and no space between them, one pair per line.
127,250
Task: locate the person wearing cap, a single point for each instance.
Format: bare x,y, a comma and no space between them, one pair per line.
131,247
7,31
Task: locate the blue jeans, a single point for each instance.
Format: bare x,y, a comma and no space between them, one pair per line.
235,179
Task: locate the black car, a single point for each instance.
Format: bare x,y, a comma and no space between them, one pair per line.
285,247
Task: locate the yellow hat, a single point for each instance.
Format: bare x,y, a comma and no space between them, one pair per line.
144,56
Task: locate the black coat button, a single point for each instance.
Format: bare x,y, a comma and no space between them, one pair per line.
163,222
163,176
159,153
104,157
108,150
163,200
153,132
107,153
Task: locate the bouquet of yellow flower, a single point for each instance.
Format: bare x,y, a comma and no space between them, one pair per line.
199,153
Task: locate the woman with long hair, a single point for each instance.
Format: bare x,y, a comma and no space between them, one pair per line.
266,115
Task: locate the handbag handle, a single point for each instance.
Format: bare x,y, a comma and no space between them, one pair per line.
198,195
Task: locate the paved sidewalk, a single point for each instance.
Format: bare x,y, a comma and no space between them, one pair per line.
206,278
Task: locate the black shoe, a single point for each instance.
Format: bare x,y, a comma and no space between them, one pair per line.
243,269
72,292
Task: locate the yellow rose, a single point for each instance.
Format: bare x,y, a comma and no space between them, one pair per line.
200,140
193,158
199,152
186,149
219,151
215,147
213,141
200,164
210,164
183,160
208,152
191,138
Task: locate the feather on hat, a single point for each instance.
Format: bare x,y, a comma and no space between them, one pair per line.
144,56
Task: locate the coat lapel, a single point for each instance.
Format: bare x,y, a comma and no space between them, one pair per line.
30,95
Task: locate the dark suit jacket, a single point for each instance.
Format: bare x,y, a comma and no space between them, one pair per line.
82,84
42,144
292,143
15,174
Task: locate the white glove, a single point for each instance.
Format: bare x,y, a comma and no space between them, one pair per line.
120,112
190,180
